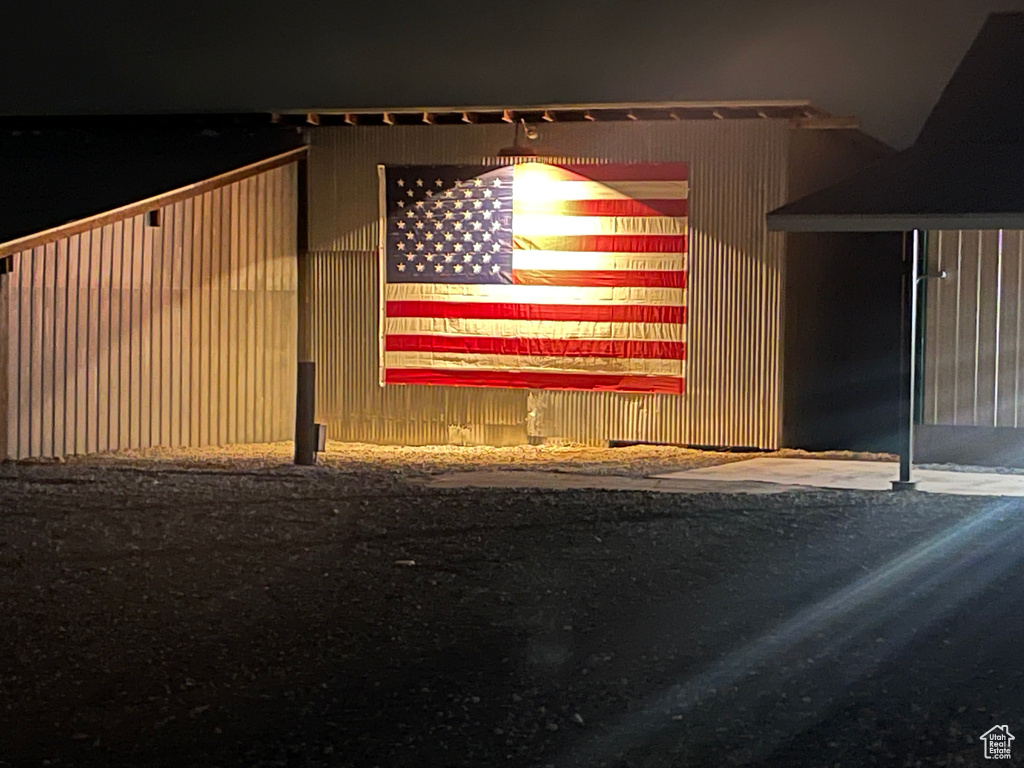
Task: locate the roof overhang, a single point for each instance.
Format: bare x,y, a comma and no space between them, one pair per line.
800,112
924,187
781,222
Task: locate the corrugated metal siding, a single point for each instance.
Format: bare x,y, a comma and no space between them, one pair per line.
738,172
131,336
974,373
349,399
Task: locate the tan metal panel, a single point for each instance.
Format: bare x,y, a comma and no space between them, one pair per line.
223,328
114,302
60,290
973,322
1008,378
83,348
148,327
37,364
73,358
24,370
208,319
195,381
42,385
235,353
250,294
6,407
259,310
162,277
100,303
183,322
117,336
138,332
172,329
989,295
738,172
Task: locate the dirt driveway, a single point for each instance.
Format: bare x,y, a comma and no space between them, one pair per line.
226,609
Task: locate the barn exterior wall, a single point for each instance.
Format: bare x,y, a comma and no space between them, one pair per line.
973,378
974,371
182,334
738,173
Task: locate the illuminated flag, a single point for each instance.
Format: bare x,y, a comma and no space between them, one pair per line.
534,275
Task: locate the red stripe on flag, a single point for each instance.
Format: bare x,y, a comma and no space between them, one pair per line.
499,345
586,381
618,313
598,278
632,171
613,243
623,207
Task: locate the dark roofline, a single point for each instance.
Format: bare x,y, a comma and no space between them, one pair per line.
142,206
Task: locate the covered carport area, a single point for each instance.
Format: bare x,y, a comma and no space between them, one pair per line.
962,176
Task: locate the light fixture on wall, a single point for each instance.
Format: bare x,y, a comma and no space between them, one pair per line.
518,149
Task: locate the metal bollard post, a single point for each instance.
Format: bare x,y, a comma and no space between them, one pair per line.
305,434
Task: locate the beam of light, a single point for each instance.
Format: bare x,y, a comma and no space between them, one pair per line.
961,561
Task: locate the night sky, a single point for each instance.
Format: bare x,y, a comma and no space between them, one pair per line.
884,60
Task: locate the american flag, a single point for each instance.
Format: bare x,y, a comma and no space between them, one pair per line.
535,275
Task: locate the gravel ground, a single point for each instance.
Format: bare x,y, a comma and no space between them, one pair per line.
417,462
222,608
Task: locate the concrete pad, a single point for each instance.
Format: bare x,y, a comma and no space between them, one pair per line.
853,475
572,480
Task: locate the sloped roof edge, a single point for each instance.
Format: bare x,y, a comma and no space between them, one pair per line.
141,206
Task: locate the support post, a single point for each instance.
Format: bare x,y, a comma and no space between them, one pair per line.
908,374
305,408
305,391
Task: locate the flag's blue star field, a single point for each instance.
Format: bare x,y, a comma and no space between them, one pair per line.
449,224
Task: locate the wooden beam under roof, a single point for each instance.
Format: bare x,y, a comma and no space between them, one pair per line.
657,110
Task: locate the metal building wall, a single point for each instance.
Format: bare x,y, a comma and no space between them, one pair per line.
974,372
738,172
841,375
130,335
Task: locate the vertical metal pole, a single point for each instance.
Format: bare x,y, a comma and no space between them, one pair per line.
909,362
305,408
305,392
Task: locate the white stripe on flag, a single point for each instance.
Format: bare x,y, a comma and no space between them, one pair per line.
550,224
534,294
535,363
533,329
599,260
546,189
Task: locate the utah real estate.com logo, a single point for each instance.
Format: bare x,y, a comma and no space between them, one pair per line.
997,742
